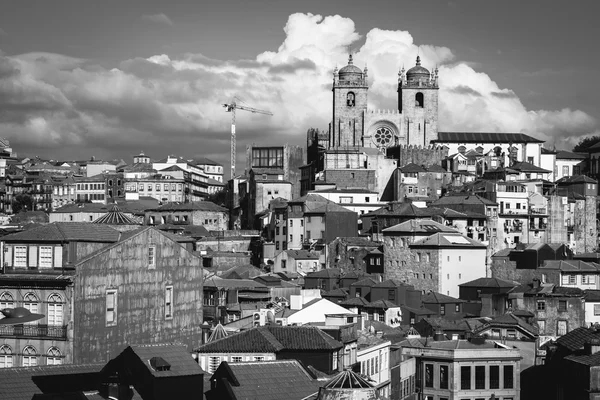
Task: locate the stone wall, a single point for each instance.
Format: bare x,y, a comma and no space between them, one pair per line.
401,264
346,178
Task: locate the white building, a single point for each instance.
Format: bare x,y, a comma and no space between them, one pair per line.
374,357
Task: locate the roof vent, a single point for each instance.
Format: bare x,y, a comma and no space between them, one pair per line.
159,364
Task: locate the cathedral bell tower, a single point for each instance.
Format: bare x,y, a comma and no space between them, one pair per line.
418,103
349,104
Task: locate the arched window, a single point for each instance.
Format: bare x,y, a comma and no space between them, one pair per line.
54,357
350,99
419,100
6,301
55,309
6,356
30,356
31,302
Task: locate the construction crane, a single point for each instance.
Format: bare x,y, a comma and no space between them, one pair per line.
231,107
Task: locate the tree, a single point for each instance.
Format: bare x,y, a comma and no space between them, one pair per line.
219,198
22,202
585,143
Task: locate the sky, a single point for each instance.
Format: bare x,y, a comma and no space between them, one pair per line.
109,79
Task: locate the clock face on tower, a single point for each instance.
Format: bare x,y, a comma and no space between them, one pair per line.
383,137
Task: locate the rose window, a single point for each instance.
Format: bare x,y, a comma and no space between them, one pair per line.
383,137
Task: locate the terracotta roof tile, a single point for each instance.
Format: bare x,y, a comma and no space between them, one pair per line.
273,339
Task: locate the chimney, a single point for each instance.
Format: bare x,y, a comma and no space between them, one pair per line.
536,283
439,335
592,346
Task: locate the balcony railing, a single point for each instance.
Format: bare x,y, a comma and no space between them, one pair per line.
34,331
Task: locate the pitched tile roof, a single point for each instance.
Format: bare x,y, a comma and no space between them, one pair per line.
571,266
325,273
463,199
510,320
381,304
176,355
301,254
448,240
575,339
195,206
273,339
484,137
364,282
271,380
65,232
412,168
419,226
525,166
439,298
562,154
22,383
490,282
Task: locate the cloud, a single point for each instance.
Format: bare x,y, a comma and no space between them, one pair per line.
63,107
157,18
3,32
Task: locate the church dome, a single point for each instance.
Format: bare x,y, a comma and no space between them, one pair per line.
417,72
350,69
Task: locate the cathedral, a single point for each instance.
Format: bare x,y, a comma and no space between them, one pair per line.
414,122
356,150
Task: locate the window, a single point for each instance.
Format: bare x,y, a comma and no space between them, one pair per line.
259,358
6,356
465,378
6,301
442,309
443,377
569,279
291,223
541,305
20,256
55,309
291,238
494,377
53,356
283,264
496,333
561,328
350,99
480,377
213,364
301,222
111,307
457,307
152,257
427,257
565,170
417,257
419,102
588,279
562,305
542,325
31,302
236,359
508,377
277,245
45,257
511,334
29,356
169,302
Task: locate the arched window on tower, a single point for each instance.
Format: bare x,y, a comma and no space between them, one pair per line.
350,99
419,101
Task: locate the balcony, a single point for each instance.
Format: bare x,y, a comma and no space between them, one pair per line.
34,331
538,211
